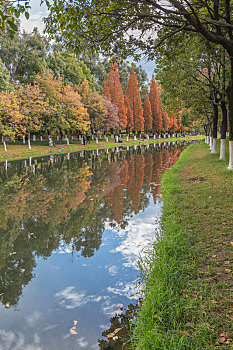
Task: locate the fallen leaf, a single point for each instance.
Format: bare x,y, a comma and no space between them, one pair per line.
7,304
75,322
111,335
13,253
227,262
22,270
117,330
232,243
115,338
214,256
228,270
121,306
1,294
73,330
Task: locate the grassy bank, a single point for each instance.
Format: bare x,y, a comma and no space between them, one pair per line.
39,149
189,285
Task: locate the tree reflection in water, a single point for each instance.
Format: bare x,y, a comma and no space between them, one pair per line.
67,200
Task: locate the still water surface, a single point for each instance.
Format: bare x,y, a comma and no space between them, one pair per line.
72,228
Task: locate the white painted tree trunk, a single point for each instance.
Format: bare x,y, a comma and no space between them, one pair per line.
127,148
4,144
214,146
72,137
127,138
67,140
135,138
23,139
107,150
159,136
68,155
29,143
211,139
116,138
154,137
41,138
79,137
57,137
97,152
207,140
112,136
223,150
135,147
106,139
30,161
230,166
96,140
33,137
169,136
227,133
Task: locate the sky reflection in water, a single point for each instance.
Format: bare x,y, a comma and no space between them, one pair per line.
71,231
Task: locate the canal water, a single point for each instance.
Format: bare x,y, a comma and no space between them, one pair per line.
72,228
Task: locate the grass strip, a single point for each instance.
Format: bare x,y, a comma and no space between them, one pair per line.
20,151
188,285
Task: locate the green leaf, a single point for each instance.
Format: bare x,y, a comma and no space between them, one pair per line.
27,15
12,25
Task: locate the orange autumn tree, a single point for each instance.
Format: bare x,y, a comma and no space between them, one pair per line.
75,114
133,95
116,93
155,106
173,124
106,91
147,114
129,115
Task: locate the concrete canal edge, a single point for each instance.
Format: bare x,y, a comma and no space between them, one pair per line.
188,284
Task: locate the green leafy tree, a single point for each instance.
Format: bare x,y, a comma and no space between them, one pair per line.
24,55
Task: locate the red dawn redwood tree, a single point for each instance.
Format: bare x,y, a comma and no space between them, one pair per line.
106,91
129,115
155,106
133,94
116,93
147,114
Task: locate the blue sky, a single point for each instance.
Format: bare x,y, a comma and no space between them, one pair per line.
37,13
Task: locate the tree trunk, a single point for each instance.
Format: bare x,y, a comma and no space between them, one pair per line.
230,114
223,131
4,143
215,130
29,142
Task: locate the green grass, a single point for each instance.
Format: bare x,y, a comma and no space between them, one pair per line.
188,279
41,148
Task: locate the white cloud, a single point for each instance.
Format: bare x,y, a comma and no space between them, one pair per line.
82,342
139,238
35,20
10,340
33,318
128,290
70,299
